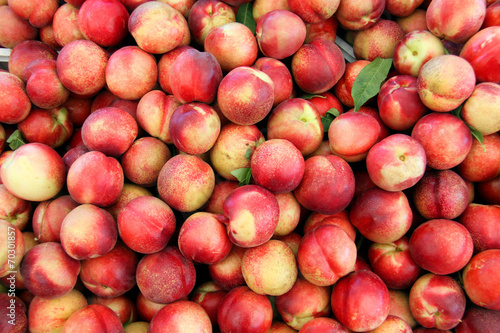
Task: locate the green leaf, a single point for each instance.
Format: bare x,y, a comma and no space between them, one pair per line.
475,133
329,116
369,80
478,135
245,16
243,175
446,51
334,112
457,111
248,153
311,96
15,140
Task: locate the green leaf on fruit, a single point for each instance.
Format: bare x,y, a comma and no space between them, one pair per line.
478,135
369,80
475,133
457,111
243,175
16,140
311,96
329,116
245,16
248,153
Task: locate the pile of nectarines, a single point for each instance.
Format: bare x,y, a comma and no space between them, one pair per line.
250,166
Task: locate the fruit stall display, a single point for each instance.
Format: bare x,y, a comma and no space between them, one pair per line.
250,166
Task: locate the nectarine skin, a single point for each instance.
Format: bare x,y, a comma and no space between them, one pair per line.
327,186
480,275
348,305
449,238
176,279
439,292
41,279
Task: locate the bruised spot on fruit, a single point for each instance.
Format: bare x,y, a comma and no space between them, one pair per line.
415,53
